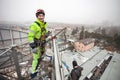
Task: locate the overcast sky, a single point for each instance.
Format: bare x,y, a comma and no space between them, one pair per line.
65,11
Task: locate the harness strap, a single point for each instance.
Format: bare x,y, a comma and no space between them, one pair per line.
42,28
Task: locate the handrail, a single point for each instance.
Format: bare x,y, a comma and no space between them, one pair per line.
12,39
13,30
59,75
57,70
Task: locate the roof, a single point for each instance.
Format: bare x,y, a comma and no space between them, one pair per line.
112,71
90,59
86,41
71,40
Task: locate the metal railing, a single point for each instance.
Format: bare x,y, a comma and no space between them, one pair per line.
15,53
12,53
11,36
57,58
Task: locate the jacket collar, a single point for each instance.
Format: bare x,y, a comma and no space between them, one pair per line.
39,21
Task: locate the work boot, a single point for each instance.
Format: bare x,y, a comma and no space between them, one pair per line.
33,75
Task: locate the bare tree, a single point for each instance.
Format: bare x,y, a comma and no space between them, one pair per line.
81,36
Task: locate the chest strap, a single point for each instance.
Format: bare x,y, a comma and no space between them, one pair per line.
42,28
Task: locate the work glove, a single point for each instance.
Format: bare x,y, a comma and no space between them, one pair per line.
43,42
47,34
34,47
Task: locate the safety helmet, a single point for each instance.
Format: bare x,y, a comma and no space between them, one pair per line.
40,11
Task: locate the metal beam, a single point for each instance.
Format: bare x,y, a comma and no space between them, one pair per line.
57,65
11,35
1,38
15,57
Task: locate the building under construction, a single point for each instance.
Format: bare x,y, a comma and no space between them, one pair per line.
16,57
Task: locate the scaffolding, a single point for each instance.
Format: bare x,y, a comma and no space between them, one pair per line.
15,55
16,58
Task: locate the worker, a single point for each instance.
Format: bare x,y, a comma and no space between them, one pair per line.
36,37
76,71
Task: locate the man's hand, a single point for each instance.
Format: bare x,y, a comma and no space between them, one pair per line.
47,34
43,42
34,47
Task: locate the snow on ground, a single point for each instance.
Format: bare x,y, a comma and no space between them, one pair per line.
88,60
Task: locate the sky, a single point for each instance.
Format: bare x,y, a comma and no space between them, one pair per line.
63,11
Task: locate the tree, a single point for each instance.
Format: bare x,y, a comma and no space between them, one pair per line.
117,40
103,31
98,30
87,34
82,35
75,31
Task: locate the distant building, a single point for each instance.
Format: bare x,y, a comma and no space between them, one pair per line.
84,45
68,33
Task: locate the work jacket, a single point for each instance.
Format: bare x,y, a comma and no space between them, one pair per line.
37,29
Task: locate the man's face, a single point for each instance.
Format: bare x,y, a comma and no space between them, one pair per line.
41,17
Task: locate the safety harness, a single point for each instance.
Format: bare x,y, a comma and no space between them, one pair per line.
42,28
